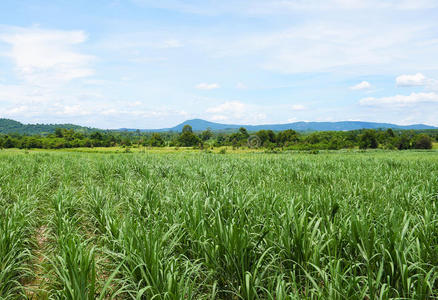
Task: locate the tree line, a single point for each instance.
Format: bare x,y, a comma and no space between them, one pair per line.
287,139
7,126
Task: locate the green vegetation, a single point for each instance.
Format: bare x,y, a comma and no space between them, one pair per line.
267,139
10,126
327,225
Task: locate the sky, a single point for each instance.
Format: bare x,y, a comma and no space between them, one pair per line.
153,64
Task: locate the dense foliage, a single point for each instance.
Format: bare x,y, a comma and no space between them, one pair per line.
287,139
340,225
10,126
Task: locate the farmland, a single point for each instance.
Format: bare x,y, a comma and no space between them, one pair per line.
198,225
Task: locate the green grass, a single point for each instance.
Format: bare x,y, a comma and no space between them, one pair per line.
193,225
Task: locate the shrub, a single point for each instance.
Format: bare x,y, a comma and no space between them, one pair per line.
422,141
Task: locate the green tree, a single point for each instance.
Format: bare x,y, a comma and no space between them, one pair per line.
243,132
368,140
390,132
287,137
403,142
187,128
422,141
266,137
220,141
206,135
59,132
9,143
313,138
188,139
96,136
156,140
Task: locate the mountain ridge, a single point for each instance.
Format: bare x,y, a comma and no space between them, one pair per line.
200,124
12,126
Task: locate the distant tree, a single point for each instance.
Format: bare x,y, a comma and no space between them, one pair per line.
234,139
156,140
271,136
220,141
126,141
263,135
68,134
243,132
266,137
368,140
206,135
313,138
402,142
335,143
187,128
390,132
422,141
59,132
351,136
287,137
78,135
9,143
188,139
96,136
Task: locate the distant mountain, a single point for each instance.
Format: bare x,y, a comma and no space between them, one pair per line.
199,125
11,126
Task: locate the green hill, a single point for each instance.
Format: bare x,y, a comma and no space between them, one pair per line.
12,126
199,125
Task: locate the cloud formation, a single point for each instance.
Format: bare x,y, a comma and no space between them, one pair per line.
241,86
411,80
401,100
83,71
364,85
298,107
207,86
46,57
263,7
236,111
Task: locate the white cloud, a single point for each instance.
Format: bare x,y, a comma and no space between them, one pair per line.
207,86
401,100
241,86
237,112
411,80
264,7
326,38
46,57
71,110
323,44
364,85
172,44
219,118
283,6
96,82
298,107
45,62
228,107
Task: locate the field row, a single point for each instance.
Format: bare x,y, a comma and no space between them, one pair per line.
210,226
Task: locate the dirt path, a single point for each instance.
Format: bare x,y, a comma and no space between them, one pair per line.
35,289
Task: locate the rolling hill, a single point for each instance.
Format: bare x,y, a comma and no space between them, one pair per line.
199,125
11,126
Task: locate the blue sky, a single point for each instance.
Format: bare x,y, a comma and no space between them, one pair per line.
153,64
